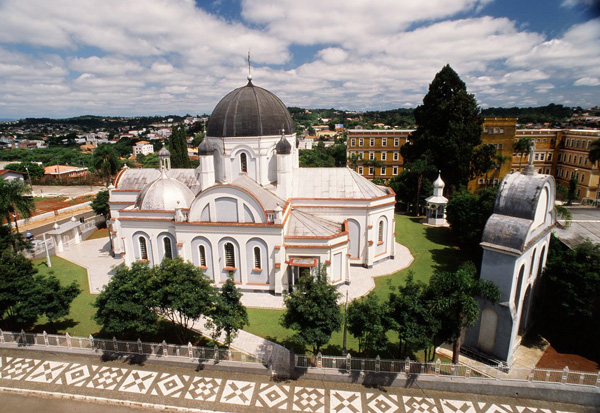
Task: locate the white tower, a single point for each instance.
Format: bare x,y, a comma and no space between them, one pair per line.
284,167
206,169
436,204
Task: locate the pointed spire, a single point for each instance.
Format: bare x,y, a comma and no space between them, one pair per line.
249,68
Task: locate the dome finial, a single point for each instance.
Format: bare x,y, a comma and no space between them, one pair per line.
249,68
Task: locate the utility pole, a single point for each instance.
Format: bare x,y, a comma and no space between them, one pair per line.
29,178
47,253
344,351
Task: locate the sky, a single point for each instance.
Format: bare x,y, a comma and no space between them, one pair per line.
65,58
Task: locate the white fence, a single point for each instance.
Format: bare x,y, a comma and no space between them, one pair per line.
408,367
51,213
162,350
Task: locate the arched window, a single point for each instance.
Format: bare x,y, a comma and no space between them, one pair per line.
202,254
243,162
229,255
518,292
257,260
143,248
168,248
380,234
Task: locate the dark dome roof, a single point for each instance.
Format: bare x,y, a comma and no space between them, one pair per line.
283,147
250,111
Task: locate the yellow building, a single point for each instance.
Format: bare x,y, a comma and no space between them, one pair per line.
499,132
562,153
378,151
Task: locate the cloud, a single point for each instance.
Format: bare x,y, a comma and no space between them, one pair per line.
587,81
171,56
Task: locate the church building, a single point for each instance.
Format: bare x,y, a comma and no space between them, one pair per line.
249,209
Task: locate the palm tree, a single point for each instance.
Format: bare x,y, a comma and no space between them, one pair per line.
105,161
13,200
523,146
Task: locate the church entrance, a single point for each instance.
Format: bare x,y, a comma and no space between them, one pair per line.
299,266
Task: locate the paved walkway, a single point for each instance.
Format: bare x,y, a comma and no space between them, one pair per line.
174,388
94,255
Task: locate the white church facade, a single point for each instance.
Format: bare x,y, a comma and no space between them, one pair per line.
249,209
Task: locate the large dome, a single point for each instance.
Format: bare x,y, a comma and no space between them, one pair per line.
250,111
164,194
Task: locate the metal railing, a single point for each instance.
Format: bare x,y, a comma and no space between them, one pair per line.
349,364
158,350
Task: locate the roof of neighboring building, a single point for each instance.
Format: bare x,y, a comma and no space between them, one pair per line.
267,198
143,143
303,224
5,171
585,224
250,111
61,169
340,183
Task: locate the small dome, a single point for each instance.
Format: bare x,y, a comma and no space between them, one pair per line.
438,183
250,111
164,194
205,147
283,147
164,152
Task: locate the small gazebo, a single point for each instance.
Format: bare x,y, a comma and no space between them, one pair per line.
436,204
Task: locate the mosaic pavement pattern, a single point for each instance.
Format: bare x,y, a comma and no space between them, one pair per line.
269,396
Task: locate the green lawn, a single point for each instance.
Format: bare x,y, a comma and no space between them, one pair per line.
431,249
79,321
99,233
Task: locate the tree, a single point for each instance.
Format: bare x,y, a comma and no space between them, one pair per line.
26,295
409,316
58,300
367,322
35,170
594,154
452,298
414,183
569,295
182,293
178,148
229,315
314,158
13,200
125,307
106,162
483,160
100,204
523,147
467,214
449,128
312,310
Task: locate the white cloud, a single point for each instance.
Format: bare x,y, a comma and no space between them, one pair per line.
587,81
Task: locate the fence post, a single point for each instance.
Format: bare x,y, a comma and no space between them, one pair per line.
468,372
216,353
597,380
68,337
115,346
565,374
23,337
319,360
164,349
438,365
2,337
140,348
407,366
190,351
531,373
46,342
91,342
349,363
377,364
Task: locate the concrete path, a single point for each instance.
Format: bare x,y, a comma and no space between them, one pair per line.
95,257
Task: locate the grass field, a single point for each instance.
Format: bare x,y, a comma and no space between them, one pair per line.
79,321
432,250
99,233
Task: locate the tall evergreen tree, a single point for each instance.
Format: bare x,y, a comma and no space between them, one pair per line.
178,148
449,128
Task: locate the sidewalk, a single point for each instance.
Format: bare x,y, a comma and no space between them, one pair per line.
94,255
